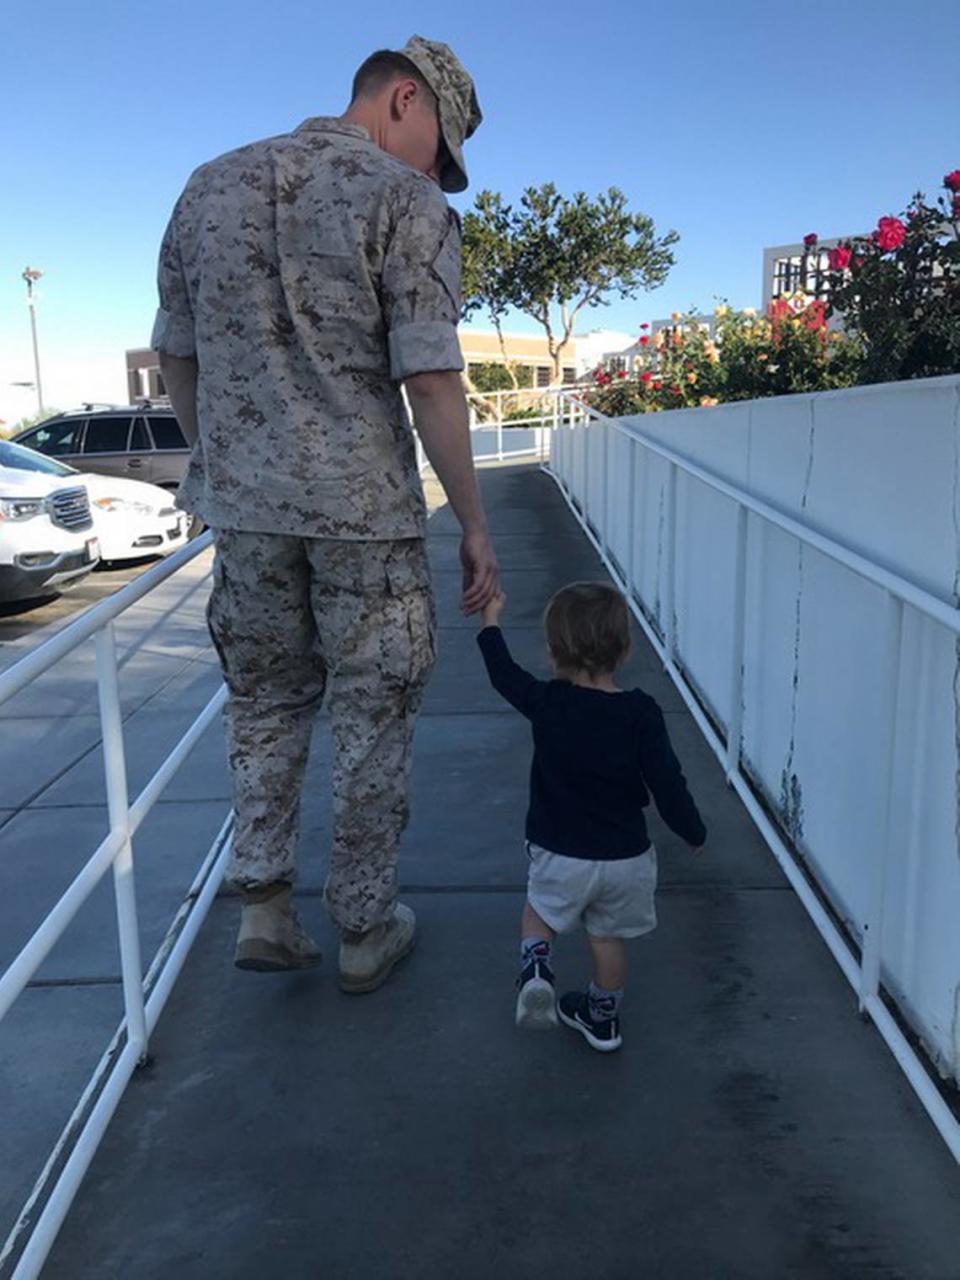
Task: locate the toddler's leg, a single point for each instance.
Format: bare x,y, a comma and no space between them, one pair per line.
536,998
609,962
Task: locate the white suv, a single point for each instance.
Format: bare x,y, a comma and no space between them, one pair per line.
45,526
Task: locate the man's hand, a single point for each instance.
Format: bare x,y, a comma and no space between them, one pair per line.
491,611
480,572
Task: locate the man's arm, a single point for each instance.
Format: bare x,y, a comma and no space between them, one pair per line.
442,421
179,375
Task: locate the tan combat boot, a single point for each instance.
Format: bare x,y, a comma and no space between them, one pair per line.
367,959
272,939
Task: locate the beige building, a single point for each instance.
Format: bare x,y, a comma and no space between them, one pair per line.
144,381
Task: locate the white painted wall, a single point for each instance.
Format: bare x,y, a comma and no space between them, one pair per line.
878,469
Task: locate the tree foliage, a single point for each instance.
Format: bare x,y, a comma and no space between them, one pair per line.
555,255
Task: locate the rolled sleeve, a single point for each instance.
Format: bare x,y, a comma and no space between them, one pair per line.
173,330
421,286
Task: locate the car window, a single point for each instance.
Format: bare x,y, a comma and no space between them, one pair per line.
139,439
21,459
55,438
107,435
167,434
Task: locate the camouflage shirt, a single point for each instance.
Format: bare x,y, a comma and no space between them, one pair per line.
309,274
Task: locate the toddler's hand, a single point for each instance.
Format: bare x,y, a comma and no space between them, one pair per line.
490,613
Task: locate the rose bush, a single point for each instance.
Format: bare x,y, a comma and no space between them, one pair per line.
897,291
752,357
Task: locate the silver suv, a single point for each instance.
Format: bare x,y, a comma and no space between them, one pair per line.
138,442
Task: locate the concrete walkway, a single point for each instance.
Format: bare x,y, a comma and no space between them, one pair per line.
752,1126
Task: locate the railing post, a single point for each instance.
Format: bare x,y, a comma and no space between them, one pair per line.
585,433
873,926
605,531
115,769
632,519
735,719
670,557
499,396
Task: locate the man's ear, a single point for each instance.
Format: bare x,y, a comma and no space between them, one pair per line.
405,94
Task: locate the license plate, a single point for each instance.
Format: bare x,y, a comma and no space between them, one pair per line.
91,551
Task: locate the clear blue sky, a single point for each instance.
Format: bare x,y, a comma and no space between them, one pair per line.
741,124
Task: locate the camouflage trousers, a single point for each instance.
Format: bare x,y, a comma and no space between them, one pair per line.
295,620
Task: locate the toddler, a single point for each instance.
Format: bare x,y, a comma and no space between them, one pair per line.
599,752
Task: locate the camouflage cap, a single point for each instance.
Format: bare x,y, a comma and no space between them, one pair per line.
458,108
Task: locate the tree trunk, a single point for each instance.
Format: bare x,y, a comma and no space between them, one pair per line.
509,365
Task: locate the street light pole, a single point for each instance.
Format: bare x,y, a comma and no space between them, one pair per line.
31,275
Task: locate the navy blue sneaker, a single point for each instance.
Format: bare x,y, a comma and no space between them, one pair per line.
536,997
604,1034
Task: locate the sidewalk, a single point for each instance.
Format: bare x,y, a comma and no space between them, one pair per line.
752,1127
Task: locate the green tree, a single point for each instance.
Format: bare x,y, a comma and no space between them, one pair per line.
555,255
488,268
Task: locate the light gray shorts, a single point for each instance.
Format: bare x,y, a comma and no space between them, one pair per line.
610,899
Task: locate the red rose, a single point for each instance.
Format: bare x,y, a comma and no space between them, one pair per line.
952,181
839,258
858,262
646,377
644,326
621,373
644,340
658,386
889,234
676,390
810,240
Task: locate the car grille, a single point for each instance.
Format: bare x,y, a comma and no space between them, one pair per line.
70,509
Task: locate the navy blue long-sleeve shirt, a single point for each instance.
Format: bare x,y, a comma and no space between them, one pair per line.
597,757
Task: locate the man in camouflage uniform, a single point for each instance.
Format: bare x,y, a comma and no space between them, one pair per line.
302,280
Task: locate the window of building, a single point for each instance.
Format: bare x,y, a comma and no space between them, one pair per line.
543,375
569,375
135,384
167,434
107,435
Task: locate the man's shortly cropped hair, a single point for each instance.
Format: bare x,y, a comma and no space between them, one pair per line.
380,69
588,628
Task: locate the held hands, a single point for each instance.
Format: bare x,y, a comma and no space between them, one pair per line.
480,572
491,611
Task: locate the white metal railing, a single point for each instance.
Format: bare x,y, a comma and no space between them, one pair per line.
570,463
144,997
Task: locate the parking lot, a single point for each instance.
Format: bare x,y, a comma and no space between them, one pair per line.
30,620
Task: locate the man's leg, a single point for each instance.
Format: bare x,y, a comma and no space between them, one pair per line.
374,611
263,629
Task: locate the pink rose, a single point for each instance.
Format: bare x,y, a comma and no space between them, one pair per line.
889,234
952,181
644,326
839,258
810,240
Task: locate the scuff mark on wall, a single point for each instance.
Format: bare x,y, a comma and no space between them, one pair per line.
791,806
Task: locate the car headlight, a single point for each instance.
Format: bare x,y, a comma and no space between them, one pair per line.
21,508
123,504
